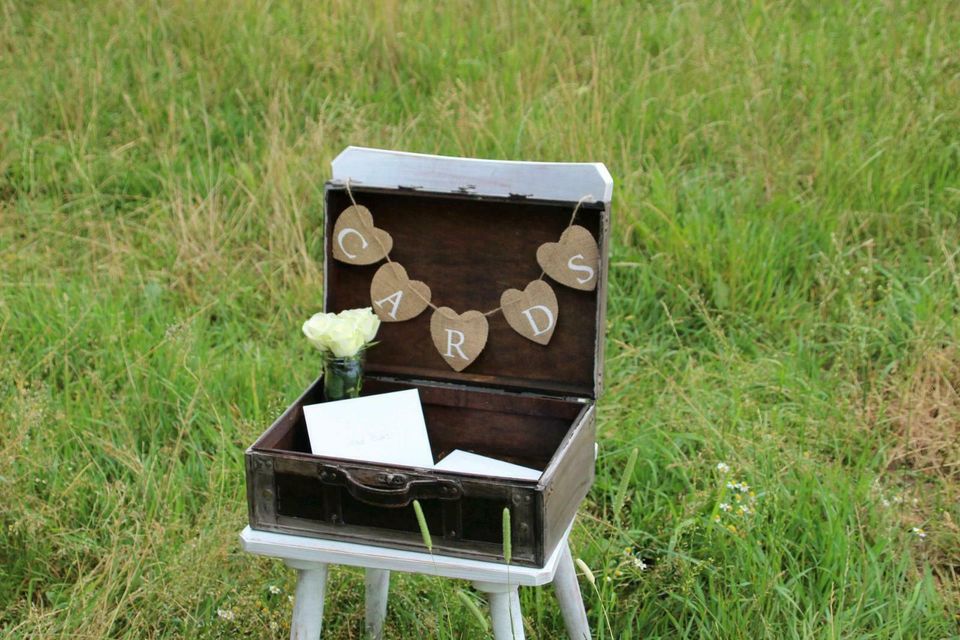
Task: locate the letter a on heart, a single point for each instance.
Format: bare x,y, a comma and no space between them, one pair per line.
458,337
394,296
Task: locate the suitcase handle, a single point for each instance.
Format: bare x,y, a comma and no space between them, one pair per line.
389,489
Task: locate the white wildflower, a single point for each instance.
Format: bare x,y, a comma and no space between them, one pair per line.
640,564
274,589
225,614
725,506
723,467
919,532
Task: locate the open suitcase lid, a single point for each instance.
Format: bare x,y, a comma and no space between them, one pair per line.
470,229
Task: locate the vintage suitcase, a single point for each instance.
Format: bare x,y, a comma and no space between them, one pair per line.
470,229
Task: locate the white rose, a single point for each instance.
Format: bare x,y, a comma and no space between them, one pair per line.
365,320
343,338
316,327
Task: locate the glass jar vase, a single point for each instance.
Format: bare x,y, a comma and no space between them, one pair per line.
342,377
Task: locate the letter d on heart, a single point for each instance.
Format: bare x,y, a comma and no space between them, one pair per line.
533,312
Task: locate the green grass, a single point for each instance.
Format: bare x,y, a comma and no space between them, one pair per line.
785,295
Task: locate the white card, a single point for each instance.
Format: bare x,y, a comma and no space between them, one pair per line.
460,461
387,428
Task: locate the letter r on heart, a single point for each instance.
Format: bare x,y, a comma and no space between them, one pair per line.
451,345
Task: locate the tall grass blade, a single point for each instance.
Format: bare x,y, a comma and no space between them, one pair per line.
586,571
422,522
621,494
473,609
507,548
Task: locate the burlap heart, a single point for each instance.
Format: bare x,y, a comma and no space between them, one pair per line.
356,240
459,337
574,261
533,312
394,296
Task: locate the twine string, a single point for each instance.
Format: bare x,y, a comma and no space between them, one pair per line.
386,253
573,217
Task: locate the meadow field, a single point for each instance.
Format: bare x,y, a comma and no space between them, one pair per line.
782,344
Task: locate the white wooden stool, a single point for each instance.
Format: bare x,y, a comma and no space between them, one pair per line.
310,557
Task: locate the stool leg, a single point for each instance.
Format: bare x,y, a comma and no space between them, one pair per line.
308,602
568,594
571,602
377,587
504,610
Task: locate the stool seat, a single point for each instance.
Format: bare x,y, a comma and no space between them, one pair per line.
310,557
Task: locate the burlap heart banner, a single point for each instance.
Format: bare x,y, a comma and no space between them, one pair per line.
356,240
533,312
574,261
395,297
459,337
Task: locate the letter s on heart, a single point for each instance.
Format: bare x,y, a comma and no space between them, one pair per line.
580,268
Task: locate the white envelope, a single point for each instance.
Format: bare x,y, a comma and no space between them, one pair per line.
387,428
465,462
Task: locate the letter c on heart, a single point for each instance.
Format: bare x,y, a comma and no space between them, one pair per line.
346,232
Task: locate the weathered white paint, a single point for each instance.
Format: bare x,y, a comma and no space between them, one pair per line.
291,547
506,616
571,601
308,601
565,181
377,582
310,556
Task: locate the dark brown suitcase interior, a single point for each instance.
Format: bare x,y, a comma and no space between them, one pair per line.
469,250
524,430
